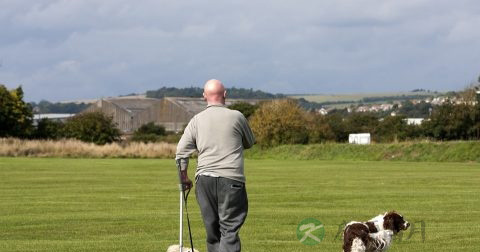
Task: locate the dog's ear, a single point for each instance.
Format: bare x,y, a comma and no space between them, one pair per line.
388,221
394,221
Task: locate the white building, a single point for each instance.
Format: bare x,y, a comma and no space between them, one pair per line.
51,116
322,111
362,138
414,121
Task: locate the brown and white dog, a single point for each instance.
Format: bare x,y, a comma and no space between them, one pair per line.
374,235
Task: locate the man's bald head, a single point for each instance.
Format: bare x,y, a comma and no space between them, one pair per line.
214,92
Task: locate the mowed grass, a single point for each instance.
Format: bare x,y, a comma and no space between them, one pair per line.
49,204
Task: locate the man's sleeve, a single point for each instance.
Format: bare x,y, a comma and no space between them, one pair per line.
187,144
248,139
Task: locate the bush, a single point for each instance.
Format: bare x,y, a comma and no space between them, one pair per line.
146,138
361,123
453,122
152,138
337,125
93,127
391,129
151,128
149,133
171,138
319,130
247,109
48,129
280,122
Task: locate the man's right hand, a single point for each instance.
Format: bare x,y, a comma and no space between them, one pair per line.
186,182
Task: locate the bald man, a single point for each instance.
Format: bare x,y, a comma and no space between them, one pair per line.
219,135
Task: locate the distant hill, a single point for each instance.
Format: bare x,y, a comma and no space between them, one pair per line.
307,101
76,106
344,100
236,93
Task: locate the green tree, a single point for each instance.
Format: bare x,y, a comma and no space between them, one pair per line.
93,127
232,92
48,129
246,108
280,122
318,128
337,123
475,129
419,110
391,129
361,123
16,116
451,122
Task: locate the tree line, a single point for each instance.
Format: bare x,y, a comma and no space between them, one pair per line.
286,122
16,120
44,107
236,93
274,122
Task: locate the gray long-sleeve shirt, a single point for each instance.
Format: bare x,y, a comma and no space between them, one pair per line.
219,135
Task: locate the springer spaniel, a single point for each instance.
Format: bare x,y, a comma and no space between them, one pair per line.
374,235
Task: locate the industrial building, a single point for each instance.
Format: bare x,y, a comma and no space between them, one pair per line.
172,112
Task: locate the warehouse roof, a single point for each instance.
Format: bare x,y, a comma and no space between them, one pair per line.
189,104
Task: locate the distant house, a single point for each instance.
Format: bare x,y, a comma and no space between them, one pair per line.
386,107
171,112
363,109
375,108
322,111
439,100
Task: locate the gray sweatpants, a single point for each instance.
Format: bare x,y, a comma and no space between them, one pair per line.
224,205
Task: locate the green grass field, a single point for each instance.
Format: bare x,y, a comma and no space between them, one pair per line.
49,204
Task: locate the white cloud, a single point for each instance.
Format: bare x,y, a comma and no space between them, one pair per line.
465,30
61,49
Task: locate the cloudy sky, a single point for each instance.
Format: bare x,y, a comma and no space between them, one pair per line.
70,49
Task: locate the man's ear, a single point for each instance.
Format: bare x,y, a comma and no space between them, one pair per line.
204,96
224,94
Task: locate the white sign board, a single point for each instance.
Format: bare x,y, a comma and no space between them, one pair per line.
362,138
